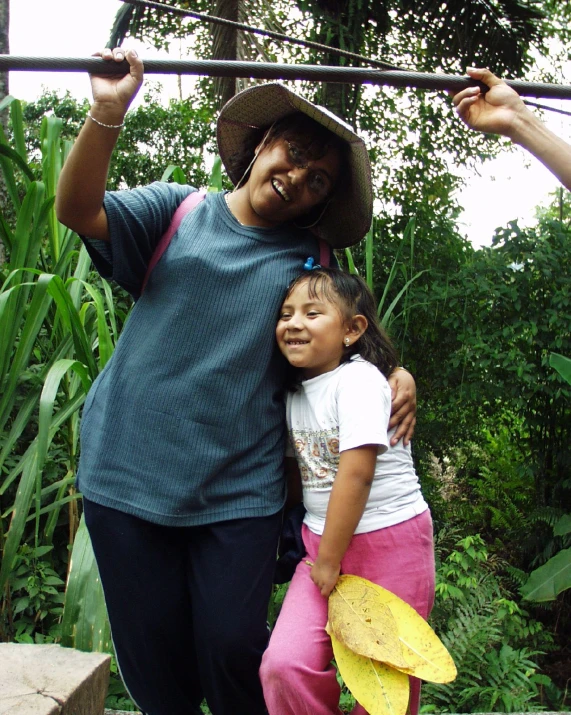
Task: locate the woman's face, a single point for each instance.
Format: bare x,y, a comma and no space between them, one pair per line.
284,184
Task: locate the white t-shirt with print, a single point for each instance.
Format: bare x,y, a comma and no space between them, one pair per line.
343,409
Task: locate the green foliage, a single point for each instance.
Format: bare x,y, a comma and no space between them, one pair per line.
492,640
484,335
437,34
549,580
276,601
117,697
85,625
58,332
562,364
554,577
37,597
462,569
400,267
155,136
475,495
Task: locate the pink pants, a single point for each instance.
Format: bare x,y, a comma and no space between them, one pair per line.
297,675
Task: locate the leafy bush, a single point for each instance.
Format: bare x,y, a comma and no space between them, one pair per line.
492,640
56,336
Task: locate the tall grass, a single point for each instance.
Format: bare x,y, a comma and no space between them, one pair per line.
58,330
400,267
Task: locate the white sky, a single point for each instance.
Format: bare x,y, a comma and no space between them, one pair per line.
508,188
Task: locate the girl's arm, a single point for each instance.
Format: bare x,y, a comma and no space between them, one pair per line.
346,505
502,111
83,179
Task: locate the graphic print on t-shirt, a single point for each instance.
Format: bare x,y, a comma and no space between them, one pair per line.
317,455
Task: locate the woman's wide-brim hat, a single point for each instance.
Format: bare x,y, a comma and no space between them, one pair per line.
348,215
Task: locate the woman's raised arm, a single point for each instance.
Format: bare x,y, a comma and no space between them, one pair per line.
81,187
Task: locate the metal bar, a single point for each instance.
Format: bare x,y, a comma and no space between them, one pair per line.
269,70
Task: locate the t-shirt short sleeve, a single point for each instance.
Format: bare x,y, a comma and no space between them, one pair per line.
137,219
364,407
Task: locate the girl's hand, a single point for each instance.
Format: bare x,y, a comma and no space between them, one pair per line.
495,112
403,405
325,575
112,94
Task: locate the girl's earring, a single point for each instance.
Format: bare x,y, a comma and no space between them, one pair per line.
347,342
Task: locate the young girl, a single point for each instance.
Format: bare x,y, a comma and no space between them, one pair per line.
365,512
183,433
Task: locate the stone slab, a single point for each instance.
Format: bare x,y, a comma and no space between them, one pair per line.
51,680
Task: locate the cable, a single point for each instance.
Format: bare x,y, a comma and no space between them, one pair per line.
544,106
256,30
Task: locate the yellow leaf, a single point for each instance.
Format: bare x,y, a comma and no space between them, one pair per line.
380,689
424,653
362,623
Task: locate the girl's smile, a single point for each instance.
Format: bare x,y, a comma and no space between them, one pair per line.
312,333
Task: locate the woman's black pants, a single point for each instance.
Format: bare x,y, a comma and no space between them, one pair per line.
188,608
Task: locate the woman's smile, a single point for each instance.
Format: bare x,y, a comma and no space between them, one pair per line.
280,190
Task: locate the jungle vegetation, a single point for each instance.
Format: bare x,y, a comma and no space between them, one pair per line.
486,332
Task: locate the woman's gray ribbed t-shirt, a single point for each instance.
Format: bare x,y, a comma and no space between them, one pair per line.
185,424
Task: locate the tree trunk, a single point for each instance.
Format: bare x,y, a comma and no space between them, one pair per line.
224,47
342,25
4,91
4,43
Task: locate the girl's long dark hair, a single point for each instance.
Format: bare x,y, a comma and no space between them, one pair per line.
352,296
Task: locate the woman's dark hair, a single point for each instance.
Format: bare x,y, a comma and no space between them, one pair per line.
313,137
353,297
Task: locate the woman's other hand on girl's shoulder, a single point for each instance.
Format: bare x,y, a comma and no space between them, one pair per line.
403,405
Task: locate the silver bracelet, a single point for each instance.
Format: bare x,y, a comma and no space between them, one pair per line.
107,126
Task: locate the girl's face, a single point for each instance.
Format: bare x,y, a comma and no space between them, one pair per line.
284,184
311,331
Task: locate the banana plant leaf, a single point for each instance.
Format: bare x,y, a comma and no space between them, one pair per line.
85,625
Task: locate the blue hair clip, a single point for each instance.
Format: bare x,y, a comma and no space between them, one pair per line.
310,265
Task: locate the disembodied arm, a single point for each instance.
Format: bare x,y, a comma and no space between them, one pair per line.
501,111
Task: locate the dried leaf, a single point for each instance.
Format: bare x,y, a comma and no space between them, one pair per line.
424,654
380,689
363,624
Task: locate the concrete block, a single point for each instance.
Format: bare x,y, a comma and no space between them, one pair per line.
51,680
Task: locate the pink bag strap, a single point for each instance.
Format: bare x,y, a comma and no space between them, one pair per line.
188,205
324,257
324,253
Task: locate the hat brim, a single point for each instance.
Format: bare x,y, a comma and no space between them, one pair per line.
348,215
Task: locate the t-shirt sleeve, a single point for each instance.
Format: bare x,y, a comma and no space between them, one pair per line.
364,407
137,219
